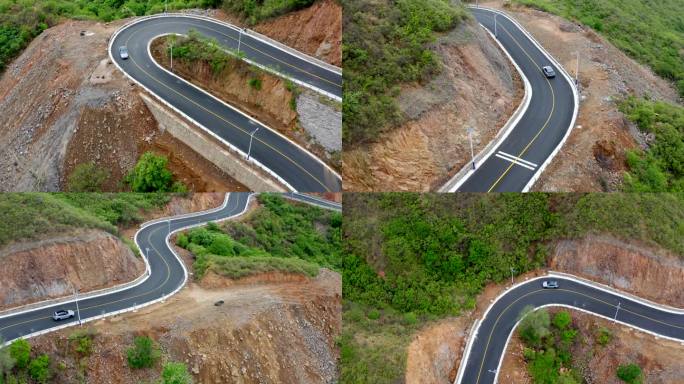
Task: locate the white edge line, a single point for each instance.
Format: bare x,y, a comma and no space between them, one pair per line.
318,202
514,161
512,122
149,52
567,77
575,279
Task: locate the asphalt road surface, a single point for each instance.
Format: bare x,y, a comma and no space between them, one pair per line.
296,166
542,127
488,347
167,273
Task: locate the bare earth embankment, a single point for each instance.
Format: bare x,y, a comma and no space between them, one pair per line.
478,87
435,353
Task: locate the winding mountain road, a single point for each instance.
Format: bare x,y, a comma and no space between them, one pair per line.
538,132
293,165
484,355
165,274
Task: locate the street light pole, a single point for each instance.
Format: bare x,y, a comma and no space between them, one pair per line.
496,34
616,311
166,6
239,39
472,152
577,71
78,310
171,49
251,137
512,270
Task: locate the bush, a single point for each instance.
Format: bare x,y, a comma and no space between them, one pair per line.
151,174
534,326
39,369
255,83
629,373
20,351
562,320
7,362
144,354
374,314
87,177
176,373
182,240
604,336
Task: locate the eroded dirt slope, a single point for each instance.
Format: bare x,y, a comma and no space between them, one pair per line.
267,331
85,260
477,88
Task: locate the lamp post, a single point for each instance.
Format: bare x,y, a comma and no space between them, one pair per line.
171,55
496,34
239,39
470,131
617,310
251,137
78,310
577,70
512,271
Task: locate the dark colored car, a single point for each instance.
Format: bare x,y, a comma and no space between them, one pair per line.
63,314
548,71
123,52
550,284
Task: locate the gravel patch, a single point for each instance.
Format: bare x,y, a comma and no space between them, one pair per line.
320,119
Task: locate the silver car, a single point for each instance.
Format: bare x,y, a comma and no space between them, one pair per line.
548,71
123,52
63,314
550,284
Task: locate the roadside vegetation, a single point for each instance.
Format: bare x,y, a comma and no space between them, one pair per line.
411,258
387,44
659,168
650,32
254,11
27,216
20,364
279,236
151,174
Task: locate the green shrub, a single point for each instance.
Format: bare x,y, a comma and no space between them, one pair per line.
629,373
562,320
87,177
604,336
410,318
534,326
20,351
144,353
374,314
254,11
176,373
151,174
39,369
7,362
182,240
255,83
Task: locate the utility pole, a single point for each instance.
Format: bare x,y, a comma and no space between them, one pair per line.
78,310
470,131
251,137
577,71
616,311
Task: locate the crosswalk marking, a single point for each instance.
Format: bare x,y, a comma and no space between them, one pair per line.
516,160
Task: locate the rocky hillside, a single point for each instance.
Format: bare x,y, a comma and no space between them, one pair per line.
478,87
85,260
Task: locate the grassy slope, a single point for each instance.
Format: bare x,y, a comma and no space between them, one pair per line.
652,32
438,251
26,216
280,236
385,44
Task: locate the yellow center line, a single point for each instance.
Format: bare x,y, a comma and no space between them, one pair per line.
221,118
556,290
553,107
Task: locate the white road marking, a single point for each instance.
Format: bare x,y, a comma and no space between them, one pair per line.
516,160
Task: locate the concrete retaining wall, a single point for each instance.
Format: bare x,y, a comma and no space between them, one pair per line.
223,158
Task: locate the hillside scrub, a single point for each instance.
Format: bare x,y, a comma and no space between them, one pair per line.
650,32
21,21
254,11
278,237
427,256
660,168
27,216
385,44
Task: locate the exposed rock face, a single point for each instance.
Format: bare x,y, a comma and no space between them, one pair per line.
635,269
47,269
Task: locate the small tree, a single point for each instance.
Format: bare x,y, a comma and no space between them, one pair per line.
87,177
20,351
176,373
562,320
39,369
629,373
144,354
6,361
534,325
151,175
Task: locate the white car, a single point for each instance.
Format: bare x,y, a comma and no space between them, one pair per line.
123,52
549,284
63,314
